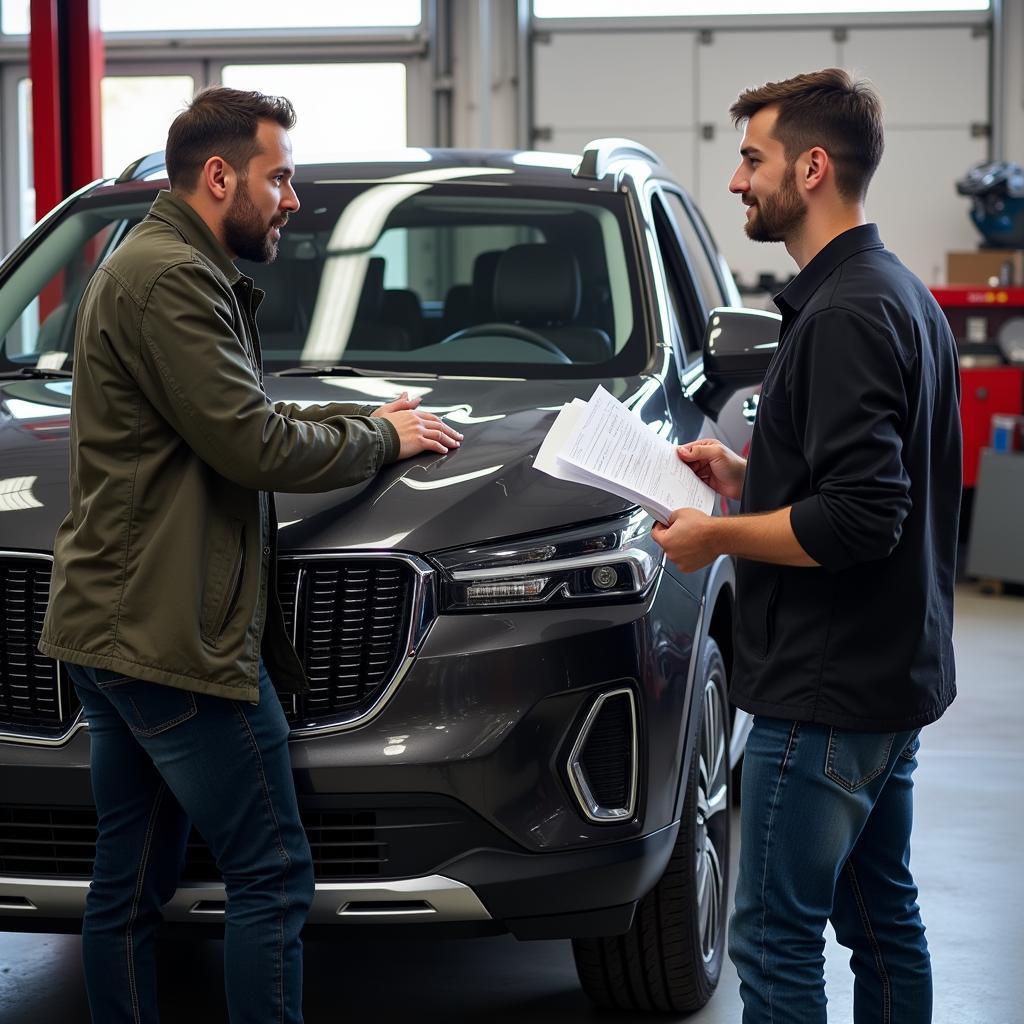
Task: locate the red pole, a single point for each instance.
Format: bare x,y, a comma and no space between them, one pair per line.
82,89
44,69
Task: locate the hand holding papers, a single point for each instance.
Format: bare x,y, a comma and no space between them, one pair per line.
602,444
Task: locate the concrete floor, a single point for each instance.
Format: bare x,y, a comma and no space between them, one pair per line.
967,858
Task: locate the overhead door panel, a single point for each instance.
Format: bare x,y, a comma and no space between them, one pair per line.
587,79
672,90
733,61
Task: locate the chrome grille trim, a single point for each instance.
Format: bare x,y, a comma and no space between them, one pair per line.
422,613
33,739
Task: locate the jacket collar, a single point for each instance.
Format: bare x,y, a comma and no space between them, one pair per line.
193,229
797,293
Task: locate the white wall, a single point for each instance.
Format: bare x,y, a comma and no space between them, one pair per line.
1013,56
671,88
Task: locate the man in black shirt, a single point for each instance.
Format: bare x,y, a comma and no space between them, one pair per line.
846,548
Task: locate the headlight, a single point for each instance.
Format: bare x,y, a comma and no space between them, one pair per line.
615,559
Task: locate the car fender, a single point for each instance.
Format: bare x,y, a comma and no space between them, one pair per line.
721,577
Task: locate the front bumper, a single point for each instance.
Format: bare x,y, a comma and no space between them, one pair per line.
465,770
564,895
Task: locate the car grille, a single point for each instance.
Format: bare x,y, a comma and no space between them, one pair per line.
394,837
349,619
36,697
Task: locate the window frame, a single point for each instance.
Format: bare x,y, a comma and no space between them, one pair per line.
273,38
708,250
204,55
675,263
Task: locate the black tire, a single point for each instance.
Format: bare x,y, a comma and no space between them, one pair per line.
670,960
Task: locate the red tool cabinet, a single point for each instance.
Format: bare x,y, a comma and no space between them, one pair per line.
985,390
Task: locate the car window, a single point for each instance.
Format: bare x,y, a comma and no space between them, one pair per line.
432,260
711,291
40,296
387,276
687,304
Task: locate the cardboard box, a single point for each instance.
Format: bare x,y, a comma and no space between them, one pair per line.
980,266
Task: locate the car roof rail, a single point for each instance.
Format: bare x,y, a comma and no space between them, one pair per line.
142,168
600,154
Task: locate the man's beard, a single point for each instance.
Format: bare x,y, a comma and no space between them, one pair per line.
246,234
779,215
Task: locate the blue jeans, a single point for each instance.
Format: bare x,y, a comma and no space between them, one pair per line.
825,835
162,758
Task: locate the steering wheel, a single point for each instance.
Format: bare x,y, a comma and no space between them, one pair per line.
510,331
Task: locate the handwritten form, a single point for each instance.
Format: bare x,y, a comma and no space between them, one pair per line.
602,444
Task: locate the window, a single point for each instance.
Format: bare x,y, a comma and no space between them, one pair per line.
341,108
39,300
696,253
686,304
185,15
715,8
26,180
434,260
366,272
137,111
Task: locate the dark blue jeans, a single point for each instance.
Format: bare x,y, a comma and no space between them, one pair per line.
162,757
825,835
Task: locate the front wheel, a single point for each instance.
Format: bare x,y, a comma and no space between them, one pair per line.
670,960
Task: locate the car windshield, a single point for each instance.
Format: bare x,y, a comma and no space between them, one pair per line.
486,279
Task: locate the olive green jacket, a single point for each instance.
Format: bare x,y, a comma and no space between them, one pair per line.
164,569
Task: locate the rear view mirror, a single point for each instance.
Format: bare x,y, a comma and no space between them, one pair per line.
738,346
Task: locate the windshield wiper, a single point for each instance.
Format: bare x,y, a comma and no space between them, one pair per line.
356,371
35,373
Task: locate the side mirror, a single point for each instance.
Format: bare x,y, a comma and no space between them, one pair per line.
738,346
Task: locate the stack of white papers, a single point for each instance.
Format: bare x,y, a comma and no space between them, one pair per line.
602,444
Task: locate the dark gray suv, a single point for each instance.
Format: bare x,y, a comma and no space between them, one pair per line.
518,716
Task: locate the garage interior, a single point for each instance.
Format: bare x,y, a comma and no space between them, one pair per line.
550,76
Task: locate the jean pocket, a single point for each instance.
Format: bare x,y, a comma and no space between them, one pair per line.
148,709
913,746
855,758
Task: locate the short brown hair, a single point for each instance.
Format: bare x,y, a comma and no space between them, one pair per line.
220,122
825,108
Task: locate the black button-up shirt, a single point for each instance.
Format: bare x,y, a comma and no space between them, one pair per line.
858,430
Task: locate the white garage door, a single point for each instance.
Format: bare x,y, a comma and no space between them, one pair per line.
671,89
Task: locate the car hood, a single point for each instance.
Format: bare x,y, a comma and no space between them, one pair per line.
486,490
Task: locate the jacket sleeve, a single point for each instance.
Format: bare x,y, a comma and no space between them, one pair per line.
848,401
319,413
196,372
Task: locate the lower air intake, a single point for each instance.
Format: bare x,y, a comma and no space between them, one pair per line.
604,759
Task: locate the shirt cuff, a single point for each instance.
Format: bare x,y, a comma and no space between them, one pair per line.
389,437
816,536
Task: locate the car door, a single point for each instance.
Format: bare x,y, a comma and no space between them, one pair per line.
698,281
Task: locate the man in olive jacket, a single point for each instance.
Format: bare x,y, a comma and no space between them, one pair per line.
163,602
